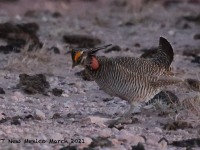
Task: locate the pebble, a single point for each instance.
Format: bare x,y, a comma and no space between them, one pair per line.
97,120
158,130
87,142
171,32
65,95
1,133
39,114
48,107
1,116
18,96
163,145
131,138
2,91
105,132
56,136
115,130
152,142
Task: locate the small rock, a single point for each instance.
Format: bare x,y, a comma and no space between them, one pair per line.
74,90
56,136
105,132
133,139
114,130
97,120
163,144
18,96
65,95
39,114
2,91
158,130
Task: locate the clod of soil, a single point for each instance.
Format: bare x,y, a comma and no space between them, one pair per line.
54,49
8,0
33,84
39,13
196,60
101,142
113,48
84,75
56,116
2,91
16,120
191,52
193,84
137,45
9,48
192,18
57,92
139,146
177,125
164,97
170,3
149,53
18,35
68,148
187,143
84,41
3,118
56,15
197,36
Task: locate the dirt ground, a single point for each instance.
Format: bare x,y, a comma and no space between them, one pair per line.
47,105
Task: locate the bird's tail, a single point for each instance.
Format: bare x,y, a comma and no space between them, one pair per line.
164,55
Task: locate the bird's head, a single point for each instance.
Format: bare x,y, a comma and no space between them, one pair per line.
79,55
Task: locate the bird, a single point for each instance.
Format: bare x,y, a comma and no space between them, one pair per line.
136,80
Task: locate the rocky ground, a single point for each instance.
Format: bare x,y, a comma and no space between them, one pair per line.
45,104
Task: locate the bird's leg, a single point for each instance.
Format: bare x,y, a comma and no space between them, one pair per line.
122,118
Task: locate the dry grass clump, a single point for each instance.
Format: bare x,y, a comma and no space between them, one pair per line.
29,61
192,105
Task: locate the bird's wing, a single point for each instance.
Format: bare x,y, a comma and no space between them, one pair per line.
154,80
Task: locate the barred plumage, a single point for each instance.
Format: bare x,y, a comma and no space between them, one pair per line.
132,79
